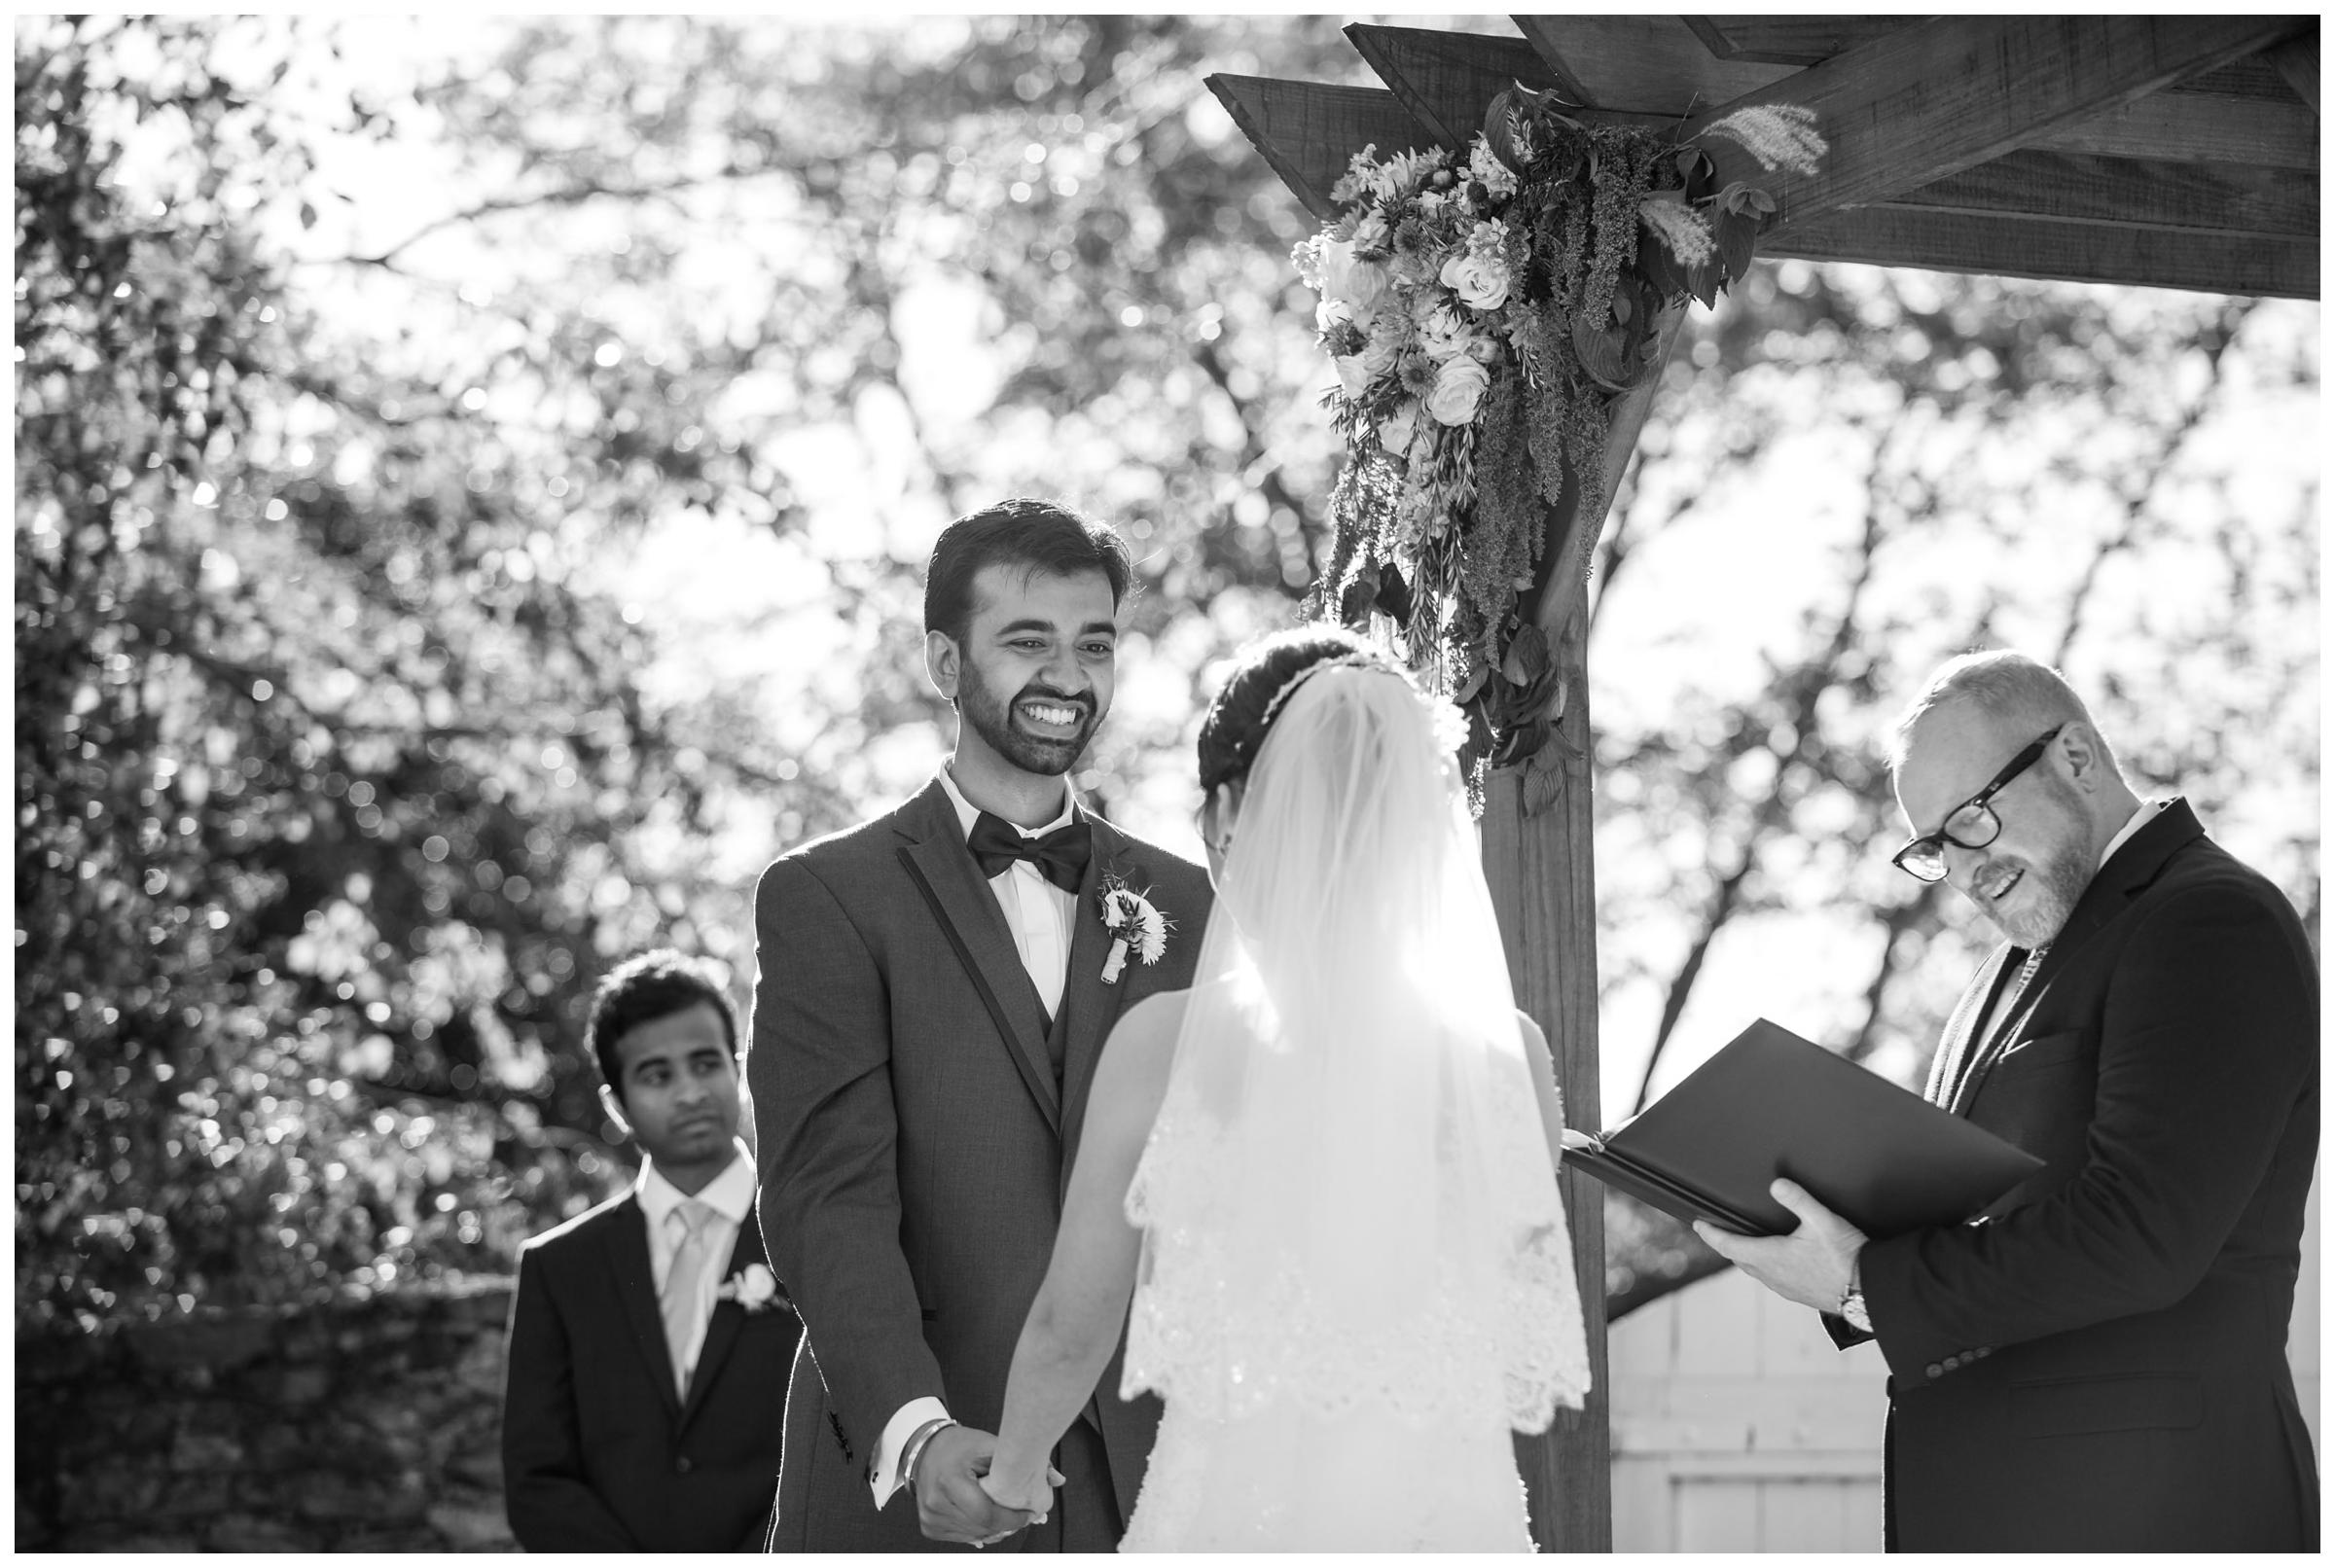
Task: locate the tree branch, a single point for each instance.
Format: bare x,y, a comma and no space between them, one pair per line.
567,196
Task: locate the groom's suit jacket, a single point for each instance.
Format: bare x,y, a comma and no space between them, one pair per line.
601,1453
916,1115
2098,1361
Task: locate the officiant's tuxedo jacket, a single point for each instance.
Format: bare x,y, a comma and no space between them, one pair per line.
2098,1361
918,1114
601,1451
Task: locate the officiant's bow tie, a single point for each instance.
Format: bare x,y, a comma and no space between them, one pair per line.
1060,856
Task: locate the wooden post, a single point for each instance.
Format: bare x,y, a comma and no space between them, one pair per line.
1544,888
1541,868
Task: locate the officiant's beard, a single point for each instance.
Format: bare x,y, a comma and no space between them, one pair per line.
999,725
2058,871
2057,883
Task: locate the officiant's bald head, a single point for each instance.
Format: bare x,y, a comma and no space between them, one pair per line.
2011,791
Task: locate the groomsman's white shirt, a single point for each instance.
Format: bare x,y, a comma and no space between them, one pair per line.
731,1198
1038,913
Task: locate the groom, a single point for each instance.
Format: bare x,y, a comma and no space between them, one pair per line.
930,1004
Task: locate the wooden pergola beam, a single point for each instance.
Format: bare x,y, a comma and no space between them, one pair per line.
2197,127
2296,60
2203,198
1446,81
1648,64
1937,98
1309,132
1793,40
2033,247
1648,70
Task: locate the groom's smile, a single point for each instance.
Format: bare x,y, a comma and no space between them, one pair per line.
1048,714
1033,678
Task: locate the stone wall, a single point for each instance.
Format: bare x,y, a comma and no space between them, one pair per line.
364,1425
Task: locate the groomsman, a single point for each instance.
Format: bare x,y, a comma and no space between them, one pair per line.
935,988
648,1340
2098,1361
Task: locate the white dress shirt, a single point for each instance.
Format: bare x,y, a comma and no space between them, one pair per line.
730,1198
1036,911
1040,914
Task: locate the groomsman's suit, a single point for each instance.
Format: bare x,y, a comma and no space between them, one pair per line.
918,1111
2100,1362
601,1450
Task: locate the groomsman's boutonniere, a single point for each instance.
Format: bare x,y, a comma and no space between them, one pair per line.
1135,926
753,1287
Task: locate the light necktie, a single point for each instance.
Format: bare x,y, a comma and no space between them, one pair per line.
681,1280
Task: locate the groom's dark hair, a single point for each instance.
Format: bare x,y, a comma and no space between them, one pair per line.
651,985
1037,536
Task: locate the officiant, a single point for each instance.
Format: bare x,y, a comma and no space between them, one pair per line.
2096,1362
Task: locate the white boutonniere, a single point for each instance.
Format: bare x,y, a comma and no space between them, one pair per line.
753,1287
1133,924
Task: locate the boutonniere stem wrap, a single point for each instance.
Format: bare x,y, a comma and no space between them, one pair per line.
754,1288
1135,926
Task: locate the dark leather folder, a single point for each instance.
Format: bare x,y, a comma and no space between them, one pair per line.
1772,1104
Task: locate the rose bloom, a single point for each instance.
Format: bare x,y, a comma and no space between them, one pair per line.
1444,332
1480,281
1385,344
1353,377
1365,286
1459,391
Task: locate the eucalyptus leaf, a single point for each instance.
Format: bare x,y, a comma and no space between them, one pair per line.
1736,234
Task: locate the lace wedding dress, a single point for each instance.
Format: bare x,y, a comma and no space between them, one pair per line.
1355,1278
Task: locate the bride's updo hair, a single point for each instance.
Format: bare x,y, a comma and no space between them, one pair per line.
1238,721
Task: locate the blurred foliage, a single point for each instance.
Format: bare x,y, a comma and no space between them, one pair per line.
359,727
341,778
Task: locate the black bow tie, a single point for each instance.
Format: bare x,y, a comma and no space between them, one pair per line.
1060,856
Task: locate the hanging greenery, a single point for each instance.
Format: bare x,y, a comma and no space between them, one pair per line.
1485,314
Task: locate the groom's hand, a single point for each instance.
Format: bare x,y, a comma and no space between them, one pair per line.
951,1505
1813,1266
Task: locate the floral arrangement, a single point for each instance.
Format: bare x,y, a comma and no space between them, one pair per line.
754,1288
1135,926
1484,312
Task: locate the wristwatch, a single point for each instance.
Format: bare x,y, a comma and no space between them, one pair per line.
1852,1308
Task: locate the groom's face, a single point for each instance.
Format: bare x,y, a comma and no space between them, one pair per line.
1033,676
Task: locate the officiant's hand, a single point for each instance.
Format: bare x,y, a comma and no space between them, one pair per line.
1813,1266
951,1505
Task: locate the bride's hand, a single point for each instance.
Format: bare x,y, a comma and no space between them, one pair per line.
1033,1496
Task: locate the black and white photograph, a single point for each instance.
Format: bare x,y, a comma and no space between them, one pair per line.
841,782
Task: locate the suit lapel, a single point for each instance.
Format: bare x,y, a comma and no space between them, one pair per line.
2135,865
1090,1007
721,1329
943,870
1961,1029
627,1255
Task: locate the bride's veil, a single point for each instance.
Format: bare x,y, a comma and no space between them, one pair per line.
1347,1197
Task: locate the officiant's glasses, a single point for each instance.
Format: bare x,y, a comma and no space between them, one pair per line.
1973,825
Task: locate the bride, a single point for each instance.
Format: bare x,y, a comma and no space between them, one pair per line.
1325,1173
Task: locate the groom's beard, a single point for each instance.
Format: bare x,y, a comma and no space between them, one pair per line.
1001,725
